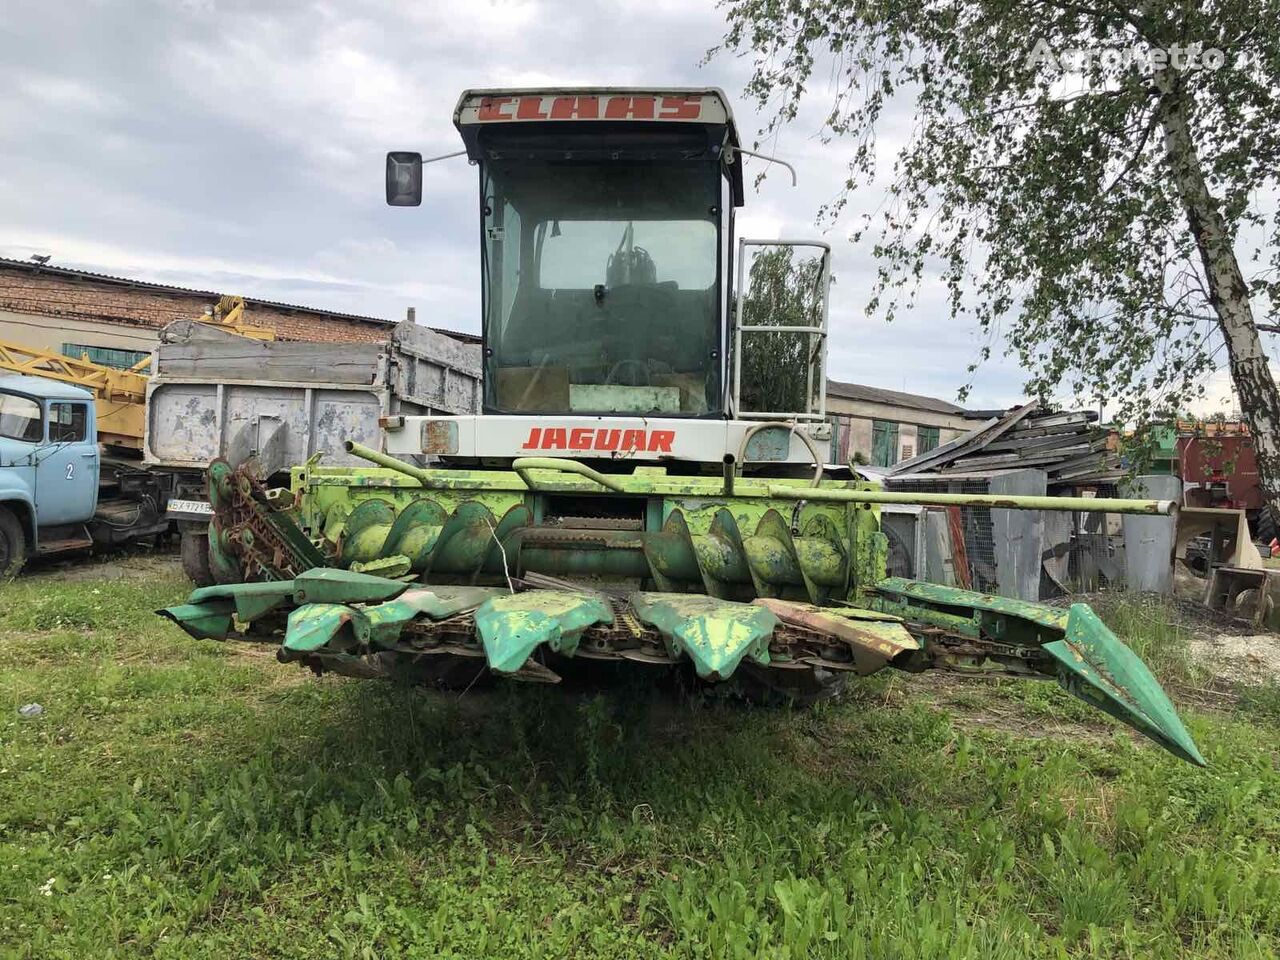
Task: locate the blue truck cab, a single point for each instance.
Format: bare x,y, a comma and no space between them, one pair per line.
49,468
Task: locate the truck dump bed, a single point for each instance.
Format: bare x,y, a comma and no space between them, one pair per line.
215,395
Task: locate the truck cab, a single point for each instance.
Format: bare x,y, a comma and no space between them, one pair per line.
49,468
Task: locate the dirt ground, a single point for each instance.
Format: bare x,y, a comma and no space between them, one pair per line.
136,562
1245,658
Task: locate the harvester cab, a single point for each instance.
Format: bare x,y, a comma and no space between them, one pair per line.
607,267
617,503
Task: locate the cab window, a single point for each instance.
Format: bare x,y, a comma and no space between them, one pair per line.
68,423
20,418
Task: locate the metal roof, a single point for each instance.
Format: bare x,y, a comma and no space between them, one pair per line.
212,295
893,398
43,387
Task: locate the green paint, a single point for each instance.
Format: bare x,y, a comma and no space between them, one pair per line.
715,634
1003,501
392,567
210,620
318,625
250,600
333,585
936,593
511,627
1096,667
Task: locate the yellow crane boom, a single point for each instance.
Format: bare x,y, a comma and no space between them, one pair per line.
119,395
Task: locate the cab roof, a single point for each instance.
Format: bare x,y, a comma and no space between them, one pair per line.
612,108
42,387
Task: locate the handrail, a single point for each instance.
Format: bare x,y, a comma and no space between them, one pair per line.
996,500
523,465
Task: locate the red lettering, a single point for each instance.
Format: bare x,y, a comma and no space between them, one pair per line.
575,108
608,439
660,440
580,438
553,438
530,108
681,108
633,440
491,109
531,443
629,108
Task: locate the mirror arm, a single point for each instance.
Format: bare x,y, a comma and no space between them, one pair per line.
445,156
761,156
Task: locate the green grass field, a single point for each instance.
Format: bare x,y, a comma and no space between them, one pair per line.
195,799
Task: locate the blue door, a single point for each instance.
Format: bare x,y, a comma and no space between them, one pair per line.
67,474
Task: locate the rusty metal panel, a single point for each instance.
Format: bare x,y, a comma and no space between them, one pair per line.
283,402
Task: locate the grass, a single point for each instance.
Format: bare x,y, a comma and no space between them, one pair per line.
195,799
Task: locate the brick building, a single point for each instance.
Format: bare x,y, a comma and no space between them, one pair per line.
115,320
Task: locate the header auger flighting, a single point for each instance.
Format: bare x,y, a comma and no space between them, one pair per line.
618,499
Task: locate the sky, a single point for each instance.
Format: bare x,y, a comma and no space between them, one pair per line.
238,146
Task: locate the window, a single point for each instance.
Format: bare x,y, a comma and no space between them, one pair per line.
884,443
107,356
20,418
926,439
68,423
601,286
576,254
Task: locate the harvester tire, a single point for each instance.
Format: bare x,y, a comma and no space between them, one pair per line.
13,545
756,686
194,548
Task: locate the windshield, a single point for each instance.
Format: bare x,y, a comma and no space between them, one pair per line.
601,287
20,418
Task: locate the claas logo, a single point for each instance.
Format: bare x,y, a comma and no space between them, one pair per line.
602,440
589,108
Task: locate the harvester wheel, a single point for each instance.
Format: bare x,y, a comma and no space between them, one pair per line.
801,689
13,545
194,548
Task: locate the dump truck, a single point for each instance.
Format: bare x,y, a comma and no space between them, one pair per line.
210,391
618,502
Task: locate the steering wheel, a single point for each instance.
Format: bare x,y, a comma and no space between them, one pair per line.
629,361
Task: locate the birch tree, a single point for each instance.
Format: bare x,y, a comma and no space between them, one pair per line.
1093,181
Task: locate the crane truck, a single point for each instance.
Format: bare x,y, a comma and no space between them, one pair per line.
619,502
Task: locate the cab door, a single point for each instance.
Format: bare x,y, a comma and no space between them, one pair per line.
67,470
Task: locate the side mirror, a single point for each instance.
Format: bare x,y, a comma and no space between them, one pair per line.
404,179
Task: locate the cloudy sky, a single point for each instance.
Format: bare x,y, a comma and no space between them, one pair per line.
238,146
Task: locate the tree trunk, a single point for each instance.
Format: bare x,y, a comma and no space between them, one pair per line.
1228,292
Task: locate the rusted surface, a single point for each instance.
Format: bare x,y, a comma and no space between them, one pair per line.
873,644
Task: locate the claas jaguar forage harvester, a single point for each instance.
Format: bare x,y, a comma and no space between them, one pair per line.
626,497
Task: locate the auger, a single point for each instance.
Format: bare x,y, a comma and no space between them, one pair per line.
620,499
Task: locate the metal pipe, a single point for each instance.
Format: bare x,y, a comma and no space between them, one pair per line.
999,501
524,464
424,477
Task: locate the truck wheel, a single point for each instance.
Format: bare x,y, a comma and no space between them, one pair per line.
13,545
194,548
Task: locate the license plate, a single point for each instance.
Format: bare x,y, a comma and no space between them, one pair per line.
202,507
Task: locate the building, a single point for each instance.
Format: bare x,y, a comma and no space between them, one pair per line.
880,427
117,321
